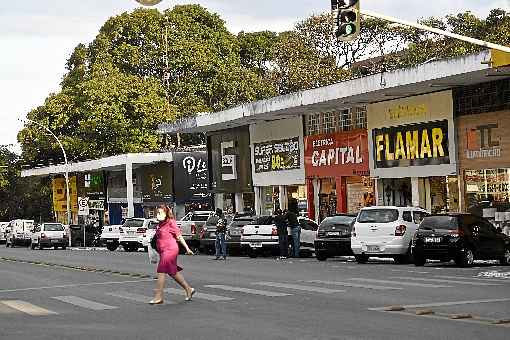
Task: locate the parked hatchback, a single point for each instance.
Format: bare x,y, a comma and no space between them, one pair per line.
460,237
385,232
49,235
334,237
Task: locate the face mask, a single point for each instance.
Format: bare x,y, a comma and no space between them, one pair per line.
161,217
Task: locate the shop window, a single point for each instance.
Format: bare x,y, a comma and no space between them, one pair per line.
329,122
360,114
480,98
346,120
488,192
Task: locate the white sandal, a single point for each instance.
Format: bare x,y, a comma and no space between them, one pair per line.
188,298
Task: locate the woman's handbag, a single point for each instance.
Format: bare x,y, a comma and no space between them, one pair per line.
154,241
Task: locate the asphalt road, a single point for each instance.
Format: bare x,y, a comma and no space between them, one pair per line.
77,294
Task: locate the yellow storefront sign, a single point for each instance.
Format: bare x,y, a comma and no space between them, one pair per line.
59,194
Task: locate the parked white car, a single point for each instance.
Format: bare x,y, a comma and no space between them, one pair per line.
131,231
19,232
262,236
385,232
49,235
110,236
3,227
145,238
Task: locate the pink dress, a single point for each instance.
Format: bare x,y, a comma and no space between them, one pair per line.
168,232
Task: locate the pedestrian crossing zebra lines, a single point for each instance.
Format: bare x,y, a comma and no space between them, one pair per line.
228,293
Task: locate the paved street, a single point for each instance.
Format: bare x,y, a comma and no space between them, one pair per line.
43,295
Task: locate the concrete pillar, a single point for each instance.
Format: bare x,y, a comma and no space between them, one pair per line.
129,191
341,194
258,200
284,202
239,201
218,201
316,202
427,195
415,191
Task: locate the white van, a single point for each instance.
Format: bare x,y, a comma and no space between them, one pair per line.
3,229
19,233
385,232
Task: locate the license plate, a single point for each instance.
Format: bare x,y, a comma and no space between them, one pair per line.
54,241
433,239
235,233
333,233
256,245
373,249
130,232
109,241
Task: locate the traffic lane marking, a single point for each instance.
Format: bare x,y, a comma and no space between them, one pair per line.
411,284
134,297
451,303
248,290
446,281
300,287
199,295
475,278
354,285
74,285
28,308
80,302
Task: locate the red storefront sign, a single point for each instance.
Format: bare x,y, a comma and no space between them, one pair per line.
337,154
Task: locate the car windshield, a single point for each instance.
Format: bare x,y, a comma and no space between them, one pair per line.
200,217
133,224
439,222
337,220
239,222
54,227
378,216
264,220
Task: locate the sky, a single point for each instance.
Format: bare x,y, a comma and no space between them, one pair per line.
38,36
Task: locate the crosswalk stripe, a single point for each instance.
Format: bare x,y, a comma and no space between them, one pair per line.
400,283
446,281
471,278
28,308
355,285
134,297
80,302
247,290
300,287
199,295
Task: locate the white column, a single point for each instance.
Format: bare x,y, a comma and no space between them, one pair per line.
415,191
129,191
258,200
316,201
284,202
239,202
218,201
427,195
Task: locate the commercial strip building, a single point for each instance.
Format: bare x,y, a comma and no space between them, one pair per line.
384,139
111,189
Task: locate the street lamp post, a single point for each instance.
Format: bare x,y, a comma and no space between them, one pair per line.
68,197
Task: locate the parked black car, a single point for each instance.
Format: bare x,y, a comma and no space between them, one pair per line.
334,237
460,237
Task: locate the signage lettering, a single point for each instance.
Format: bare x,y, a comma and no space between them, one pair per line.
416,144
228,162
277,155
482,142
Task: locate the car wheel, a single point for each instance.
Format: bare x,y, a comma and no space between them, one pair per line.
112,246
465,258
505,260
361,258
321,256
419,261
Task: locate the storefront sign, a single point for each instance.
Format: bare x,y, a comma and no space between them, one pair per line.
157,185
277,155
339,154
407,112
60,196
412,145
191,177
483,141
230,163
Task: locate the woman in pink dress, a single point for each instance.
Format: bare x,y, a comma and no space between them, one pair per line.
168,233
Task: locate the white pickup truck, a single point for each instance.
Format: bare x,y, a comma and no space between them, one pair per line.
262,236
49,235
191,225
110,237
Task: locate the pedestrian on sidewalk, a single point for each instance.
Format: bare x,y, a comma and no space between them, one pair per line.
281,225
221,231
167,235
295,231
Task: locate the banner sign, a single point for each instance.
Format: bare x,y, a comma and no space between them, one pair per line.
60,197
411,145
191,177
337,154
277,155
157,183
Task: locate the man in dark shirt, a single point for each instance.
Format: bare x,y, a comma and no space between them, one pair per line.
281,225
221,230
295,231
